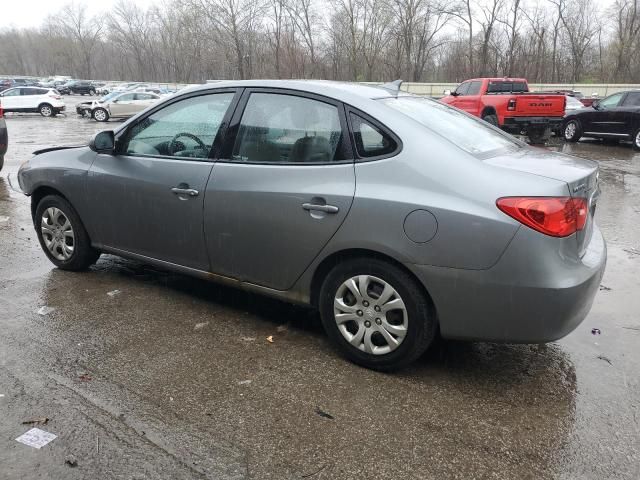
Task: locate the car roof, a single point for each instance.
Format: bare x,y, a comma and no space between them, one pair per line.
342,91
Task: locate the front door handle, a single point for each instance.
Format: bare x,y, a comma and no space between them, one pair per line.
320,208
185,191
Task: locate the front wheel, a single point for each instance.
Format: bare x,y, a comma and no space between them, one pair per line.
572,131
62,235
46,110
376,314
100,115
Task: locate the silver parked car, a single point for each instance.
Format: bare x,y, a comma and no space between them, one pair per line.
398,217
118,105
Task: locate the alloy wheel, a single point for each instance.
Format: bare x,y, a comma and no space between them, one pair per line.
46,111
57,233
99,115
370,314
570,131
637,140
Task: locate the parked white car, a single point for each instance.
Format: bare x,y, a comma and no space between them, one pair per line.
45,101
120,105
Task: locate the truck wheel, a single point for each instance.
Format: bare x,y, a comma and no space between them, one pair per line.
538,136
492,119
572,131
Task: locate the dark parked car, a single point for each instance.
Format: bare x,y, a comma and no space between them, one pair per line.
79,87
4,137
616,117
398,217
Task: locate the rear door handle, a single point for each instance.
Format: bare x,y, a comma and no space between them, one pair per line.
185,191
320,208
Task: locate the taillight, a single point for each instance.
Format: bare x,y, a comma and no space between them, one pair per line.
511,106
57,97
554,216
1,112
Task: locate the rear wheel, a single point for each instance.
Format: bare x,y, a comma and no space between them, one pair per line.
636,140
538,136
572,131
46,110
492,119
100,114
376,314
62,235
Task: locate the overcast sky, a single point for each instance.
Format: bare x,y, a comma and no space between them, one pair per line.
31,13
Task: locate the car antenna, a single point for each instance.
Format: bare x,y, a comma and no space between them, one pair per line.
393,87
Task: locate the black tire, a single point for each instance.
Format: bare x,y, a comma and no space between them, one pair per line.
1,162
538,136
636,140
421,321
492,119
100,112
572,131
83,254
46,110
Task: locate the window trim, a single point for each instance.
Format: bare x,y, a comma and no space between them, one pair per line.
386,130
123,135
226,154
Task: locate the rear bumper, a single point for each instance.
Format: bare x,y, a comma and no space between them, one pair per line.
521,123
527,297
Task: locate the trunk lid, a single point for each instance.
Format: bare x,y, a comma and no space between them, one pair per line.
580,175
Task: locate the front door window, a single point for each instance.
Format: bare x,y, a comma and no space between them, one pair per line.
186,128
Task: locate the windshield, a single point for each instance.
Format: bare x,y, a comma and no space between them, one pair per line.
109,96
469,133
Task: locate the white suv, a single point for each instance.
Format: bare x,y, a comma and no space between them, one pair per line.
45,101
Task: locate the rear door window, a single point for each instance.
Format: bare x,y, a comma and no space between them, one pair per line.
284,128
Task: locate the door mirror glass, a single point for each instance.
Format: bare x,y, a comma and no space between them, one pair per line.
103,142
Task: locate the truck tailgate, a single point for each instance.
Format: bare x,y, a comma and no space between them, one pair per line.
532,105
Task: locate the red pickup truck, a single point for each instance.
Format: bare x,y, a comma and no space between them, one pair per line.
507,103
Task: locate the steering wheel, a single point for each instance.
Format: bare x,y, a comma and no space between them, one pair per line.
174,141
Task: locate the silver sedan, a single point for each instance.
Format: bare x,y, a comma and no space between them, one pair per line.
398,217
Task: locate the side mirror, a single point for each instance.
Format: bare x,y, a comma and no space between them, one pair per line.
596,104
103,142
447,92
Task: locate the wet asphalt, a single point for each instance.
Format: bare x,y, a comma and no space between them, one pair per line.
172,377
